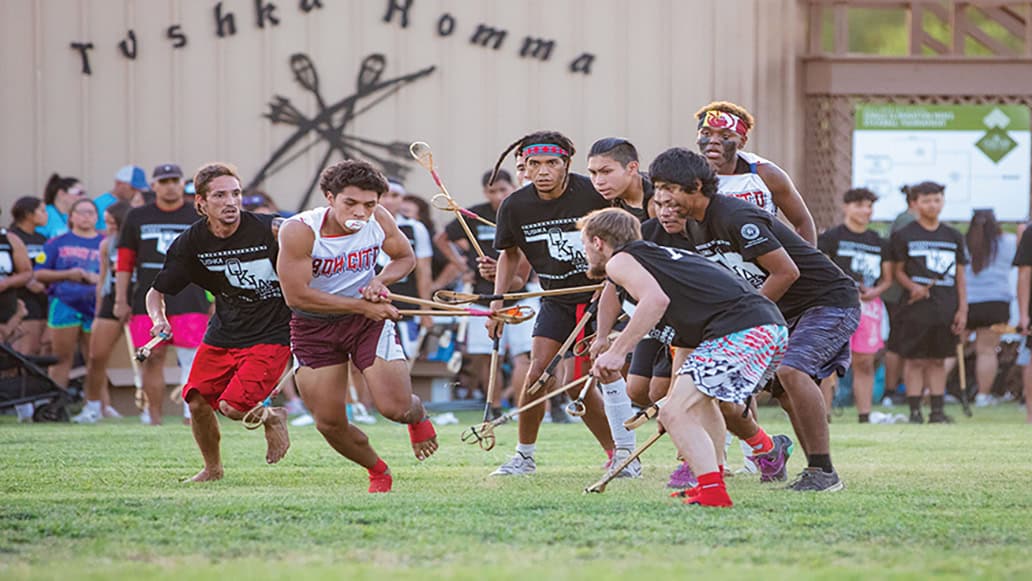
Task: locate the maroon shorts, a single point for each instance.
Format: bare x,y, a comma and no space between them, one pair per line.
324,342
241,377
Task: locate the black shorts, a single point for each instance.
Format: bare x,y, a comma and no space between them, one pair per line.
556,320
36,305
982,315
107,308
892,343
651,358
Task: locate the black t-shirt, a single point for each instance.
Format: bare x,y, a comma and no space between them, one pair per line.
735,232
9,296
1023,257
711,302
240,272
485,236
34,242
546,232
860,256
931,258
642,214
653,231
149,232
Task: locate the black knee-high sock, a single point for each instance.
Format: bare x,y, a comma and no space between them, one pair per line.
937,404
915,404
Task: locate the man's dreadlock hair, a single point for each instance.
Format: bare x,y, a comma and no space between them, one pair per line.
547,137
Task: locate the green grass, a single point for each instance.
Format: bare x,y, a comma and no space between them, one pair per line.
105,501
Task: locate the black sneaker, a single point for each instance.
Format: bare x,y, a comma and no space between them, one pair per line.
916,418
816,480
939,418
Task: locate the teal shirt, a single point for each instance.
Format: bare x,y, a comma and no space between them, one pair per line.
57,223
103,202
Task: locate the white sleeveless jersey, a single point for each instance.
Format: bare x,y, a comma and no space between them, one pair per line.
341,265
748,186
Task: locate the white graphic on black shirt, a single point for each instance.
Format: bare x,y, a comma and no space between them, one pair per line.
864,260
752,273
562,247
253,275
164,234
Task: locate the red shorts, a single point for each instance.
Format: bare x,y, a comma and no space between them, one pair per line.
187,329
241,377
324,342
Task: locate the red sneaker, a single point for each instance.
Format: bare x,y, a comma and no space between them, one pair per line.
687,492
709,496
380,482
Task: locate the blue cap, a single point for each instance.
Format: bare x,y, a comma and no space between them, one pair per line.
134,176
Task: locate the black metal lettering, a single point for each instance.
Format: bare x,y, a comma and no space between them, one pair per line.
265,12
582,64
401,7
176,35
485,34
538,48
225,24
309,5
445,25
128,46
84,48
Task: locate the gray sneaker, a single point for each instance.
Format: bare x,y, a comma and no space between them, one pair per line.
518,465
633,470
772,464
816,480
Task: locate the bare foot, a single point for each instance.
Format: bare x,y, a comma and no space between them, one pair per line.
207,475
425,449
276,435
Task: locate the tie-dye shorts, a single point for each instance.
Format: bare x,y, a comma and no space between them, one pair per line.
734,367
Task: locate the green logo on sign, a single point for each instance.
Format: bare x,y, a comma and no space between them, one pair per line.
996,144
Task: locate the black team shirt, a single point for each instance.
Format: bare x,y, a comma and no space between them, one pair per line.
149,232
1023,257
642,214
707,300
485,236
735,232
860,256
546,232
240,272
931,258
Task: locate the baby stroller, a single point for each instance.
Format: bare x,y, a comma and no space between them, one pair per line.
22,380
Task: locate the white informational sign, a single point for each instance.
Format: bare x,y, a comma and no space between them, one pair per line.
981,153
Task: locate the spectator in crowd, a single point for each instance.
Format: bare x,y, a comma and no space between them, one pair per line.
28,214
259,202
989,294
1023,260
893,299
107,329
130,183
927,257
71,267
15,273
443,272
859,252
142,243
419,282
59,194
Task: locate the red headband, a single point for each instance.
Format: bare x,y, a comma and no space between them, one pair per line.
723,120
544,149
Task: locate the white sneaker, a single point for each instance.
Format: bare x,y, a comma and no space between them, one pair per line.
145,416
110,412
295,407
86,416
361,415
633,470
25,412
303,420
518,465
984,400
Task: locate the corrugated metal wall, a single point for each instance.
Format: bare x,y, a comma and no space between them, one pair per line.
656,62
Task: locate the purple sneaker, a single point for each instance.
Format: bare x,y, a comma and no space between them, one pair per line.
682,477
772,464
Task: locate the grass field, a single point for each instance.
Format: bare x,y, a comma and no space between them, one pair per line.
105,502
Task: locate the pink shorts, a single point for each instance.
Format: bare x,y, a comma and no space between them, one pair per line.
868,336
187,329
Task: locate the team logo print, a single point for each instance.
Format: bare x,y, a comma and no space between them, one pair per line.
750,231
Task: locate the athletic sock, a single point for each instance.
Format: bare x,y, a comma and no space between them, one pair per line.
95,406
526,450
618,410
864,418
380,479
914,401
711,491
937,404
822,461
760,443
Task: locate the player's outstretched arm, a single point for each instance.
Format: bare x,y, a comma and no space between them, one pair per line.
626,272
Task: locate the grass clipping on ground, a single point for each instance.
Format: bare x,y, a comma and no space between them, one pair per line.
106,501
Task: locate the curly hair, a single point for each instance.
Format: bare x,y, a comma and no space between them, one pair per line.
546,137
352,172
208,172
728,107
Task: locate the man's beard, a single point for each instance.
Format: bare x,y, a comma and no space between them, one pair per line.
597,272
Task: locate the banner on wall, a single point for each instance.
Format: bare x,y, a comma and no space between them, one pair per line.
981,153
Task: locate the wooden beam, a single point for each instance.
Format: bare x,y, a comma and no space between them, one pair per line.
841,12
996,47
816,15
863,75
1004,18
959,24
917,33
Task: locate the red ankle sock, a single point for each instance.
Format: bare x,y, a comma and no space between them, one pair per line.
760,443
380,479
609,454
711,491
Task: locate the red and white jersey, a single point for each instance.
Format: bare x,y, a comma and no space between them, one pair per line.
342,265
748,186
